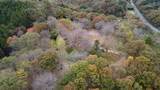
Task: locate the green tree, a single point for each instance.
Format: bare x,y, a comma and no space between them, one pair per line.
93,72
139,65
13,12
12,82
79,69
5,31
135,48
154,17
54,34
149,41
28,41
117,7
1,53
157,83
48,60
125,83
137,86
96,49
147,79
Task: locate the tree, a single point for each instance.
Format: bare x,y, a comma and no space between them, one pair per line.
147,79
154,17
80,40
67,23
54,34
60,45
70,86
135,48
92,72
140,64
80,84
38,27
109,18
156,83
7,62
48,60
12,82
137,86
149,41
44,81
5,31
96,49
29,40
117,8
13,12
125,83
79,69
1,53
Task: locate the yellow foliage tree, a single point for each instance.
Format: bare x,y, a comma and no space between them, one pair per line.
67,23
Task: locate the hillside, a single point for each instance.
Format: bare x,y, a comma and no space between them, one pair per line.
79,45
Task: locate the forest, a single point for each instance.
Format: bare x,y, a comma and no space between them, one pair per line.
150,8
79,45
